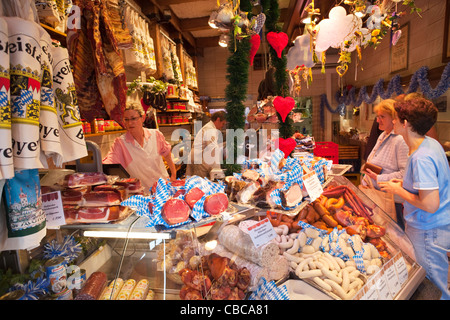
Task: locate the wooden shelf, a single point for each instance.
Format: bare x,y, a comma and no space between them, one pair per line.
173,124
177,99
173,110
104,133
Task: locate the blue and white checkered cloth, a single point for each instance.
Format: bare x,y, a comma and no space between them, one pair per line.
164,191
208,187
268,290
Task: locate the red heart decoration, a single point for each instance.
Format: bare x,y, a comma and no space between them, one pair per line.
283,106
255,41
278,41
286,145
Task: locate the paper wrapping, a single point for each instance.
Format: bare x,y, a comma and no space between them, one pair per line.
25,91
22,225
6,158
70,127
48,120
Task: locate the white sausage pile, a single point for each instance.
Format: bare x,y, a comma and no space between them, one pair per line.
335,262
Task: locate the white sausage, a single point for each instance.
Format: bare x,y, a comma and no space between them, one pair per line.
356,284
345,280
285,229
295,247
316,243
286,243
291,257
312,233
308,249
302,238
322,283
333,261
301,265
337,288
327,273
309,274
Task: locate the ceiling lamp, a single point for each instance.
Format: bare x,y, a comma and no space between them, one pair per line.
212,20
223,40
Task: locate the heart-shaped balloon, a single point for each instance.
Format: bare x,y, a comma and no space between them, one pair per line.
283,106
396,36
258,22
255,41
278,41
286,145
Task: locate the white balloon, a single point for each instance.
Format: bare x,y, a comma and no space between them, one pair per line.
300,53
336,29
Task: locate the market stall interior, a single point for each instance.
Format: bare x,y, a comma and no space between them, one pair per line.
282,219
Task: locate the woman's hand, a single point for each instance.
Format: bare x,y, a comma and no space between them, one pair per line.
371,174
392,186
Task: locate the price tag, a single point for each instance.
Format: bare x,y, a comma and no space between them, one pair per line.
392,277
53,208
382,287
312,185
261,232
402,270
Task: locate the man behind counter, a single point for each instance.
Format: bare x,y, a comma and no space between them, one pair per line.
206,149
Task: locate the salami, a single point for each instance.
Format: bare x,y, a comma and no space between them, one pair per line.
193,196
175,211
93,287
216,203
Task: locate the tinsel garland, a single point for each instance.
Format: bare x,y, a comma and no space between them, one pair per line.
236,92
418,80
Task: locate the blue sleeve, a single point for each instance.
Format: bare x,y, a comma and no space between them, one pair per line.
425,174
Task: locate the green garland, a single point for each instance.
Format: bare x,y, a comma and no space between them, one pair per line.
236,92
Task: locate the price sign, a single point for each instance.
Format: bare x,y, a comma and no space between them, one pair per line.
392,277
261,232
312,185
400,266
53,208
382,287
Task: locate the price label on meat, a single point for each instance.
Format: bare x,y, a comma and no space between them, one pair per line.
312,185
261,232
53,208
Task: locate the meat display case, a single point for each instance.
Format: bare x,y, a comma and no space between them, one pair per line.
133,251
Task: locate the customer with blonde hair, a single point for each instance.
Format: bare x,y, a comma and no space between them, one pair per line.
390,153
141,150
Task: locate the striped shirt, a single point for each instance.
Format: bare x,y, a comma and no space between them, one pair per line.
391,154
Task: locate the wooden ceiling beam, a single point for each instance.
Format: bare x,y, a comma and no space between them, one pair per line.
194,24
147,8
296,8
204,42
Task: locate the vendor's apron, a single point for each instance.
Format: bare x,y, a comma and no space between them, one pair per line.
147,164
